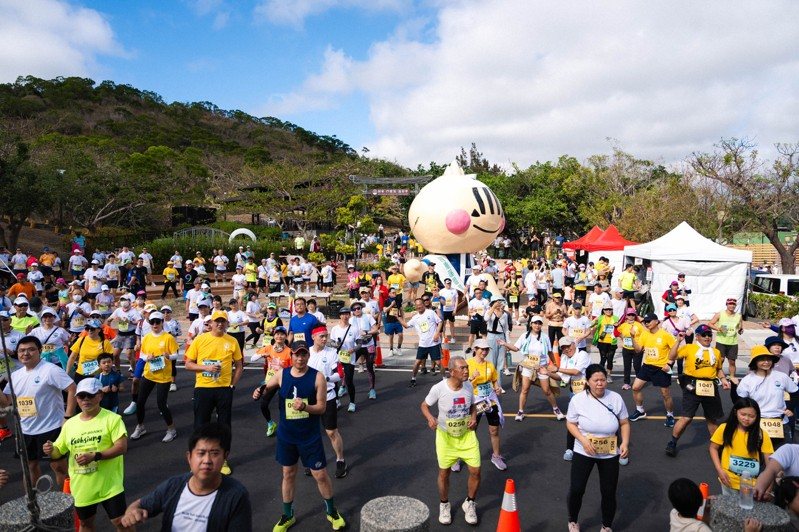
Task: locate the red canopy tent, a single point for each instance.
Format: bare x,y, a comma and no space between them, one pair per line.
587,238
610,240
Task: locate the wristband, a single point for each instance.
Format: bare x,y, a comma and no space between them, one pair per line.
98,457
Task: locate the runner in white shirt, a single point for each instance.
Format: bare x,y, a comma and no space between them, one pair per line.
94,277
364,327
327,278
428,327
76,312
239,281
573,362
325,360
54,339
220,266
596,301
125,320
449,297
307,269
147,260
38,386
193,295
37,278
578,326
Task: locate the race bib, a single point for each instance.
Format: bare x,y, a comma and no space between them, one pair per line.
170,277
90,368
26,406
102,308
94,285
448,302
267,340
78,321
484,390
513,299
291,413
211,374
299,337
650,355
122,326
395,286
578,385
393,312
609,329
457,427
740,465
772,427
157,363
627,342
345,357
89,468
705,388
577,333
531,362
604,445
424,326
48,348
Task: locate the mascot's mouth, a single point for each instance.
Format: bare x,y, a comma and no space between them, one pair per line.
485,230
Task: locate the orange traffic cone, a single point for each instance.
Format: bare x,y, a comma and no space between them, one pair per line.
705,490
68,491
378,357
509,515
444,355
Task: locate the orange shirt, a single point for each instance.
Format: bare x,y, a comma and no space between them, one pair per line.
18,288
274,359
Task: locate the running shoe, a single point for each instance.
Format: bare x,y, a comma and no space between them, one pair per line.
226,470
351,408
285,523
568,455
444,513
574,527
271,427
456,467
434,370
468,350
372,394
307,471
130,410
360,368
138,432
519,416
173,387
469,511
502,390
626,387
498,462
336,520
610,379
605,529
412,383
338,404
669,421
636,415
424,370
5,433
170,435
560,416
341,469
342,391
671,449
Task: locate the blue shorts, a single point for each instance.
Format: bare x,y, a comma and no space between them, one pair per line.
393,328
312,453
433,351
138,371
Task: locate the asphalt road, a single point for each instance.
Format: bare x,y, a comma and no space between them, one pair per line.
390,450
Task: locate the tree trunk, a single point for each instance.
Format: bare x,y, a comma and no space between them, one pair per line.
14,229
786,255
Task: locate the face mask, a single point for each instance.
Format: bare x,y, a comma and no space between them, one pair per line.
76,298
790,330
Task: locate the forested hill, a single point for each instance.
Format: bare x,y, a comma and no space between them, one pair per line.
133,120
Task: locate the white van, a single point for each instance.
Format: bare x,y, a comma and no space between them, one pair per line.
773,284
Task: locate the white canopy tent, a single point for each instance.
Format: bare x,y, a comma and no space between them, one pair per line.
713,272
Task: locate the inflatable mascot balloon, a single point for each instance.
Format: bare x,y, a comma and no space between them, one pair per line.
455,215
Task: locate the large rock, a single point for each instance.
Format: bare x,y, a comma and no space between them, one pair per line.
56,509
395,514
725,514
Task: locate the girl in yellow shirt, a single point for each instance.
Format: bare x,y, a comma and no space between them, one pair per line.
485,381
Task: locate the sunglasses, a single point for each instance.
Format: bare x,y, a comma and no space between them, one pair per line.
90,329
84,395
156,321
706,335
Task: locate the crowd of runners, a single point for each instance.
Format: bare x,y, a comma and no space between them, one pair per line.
83,353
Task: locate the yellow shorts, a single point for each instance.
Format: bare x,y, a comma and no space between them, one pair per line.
450,449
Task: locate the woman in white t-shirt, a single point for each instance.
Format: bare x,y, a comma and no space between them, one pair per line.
536,349
237,319
595,418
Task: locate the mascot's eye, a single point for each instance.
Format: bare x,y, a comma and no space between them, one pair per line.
475,213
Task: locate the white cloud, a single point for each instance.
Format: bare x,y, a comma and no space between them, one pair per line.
294,12
49,38
532,80
218,8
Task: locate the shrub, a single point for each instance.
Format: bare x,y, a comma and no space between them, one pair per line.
773,308
163,248
262,232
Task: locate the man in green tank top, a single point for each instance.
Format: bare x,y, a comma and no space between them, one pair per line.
728,326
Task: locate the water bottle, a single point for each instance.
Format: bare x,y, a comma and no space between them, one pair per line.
747,488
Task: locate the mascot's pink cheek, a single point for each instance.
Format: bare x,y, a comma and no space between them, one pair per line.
501,226
458,221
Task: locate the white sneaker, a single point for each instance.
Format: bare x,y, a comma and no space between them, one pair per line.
173,387
130,410
558,414
610,379
470,511
170,435
444,513
138,432
519,416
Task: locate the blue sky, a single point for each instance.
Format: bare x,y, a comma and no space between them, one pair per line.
414,80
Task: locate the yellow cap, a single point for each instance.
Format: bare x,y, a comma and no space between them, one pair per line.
219,314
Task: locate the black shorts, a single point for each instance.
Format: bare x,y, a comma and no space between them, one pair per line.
655,375
448,315
261,283
297,280
112,284
433,351
47,271
327,284
628,294
114,507
492,416
92,295
478,327
330,417
274,287
193,316
35,442
711,406
730,352
250,284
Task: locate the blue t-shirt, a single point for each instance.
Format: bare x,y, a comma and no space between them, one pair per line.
302,327
110,400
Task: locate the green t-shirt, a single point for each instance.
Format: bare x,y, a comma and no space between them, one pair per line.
22,324
96,481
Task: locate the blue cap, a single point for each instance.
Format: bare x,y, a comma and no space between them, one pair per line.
93,324
280,329
671,306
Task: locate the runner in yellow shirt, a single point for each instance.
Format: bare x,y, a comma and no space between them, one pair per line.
656,344
216,359
485,381
632,358
170,279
